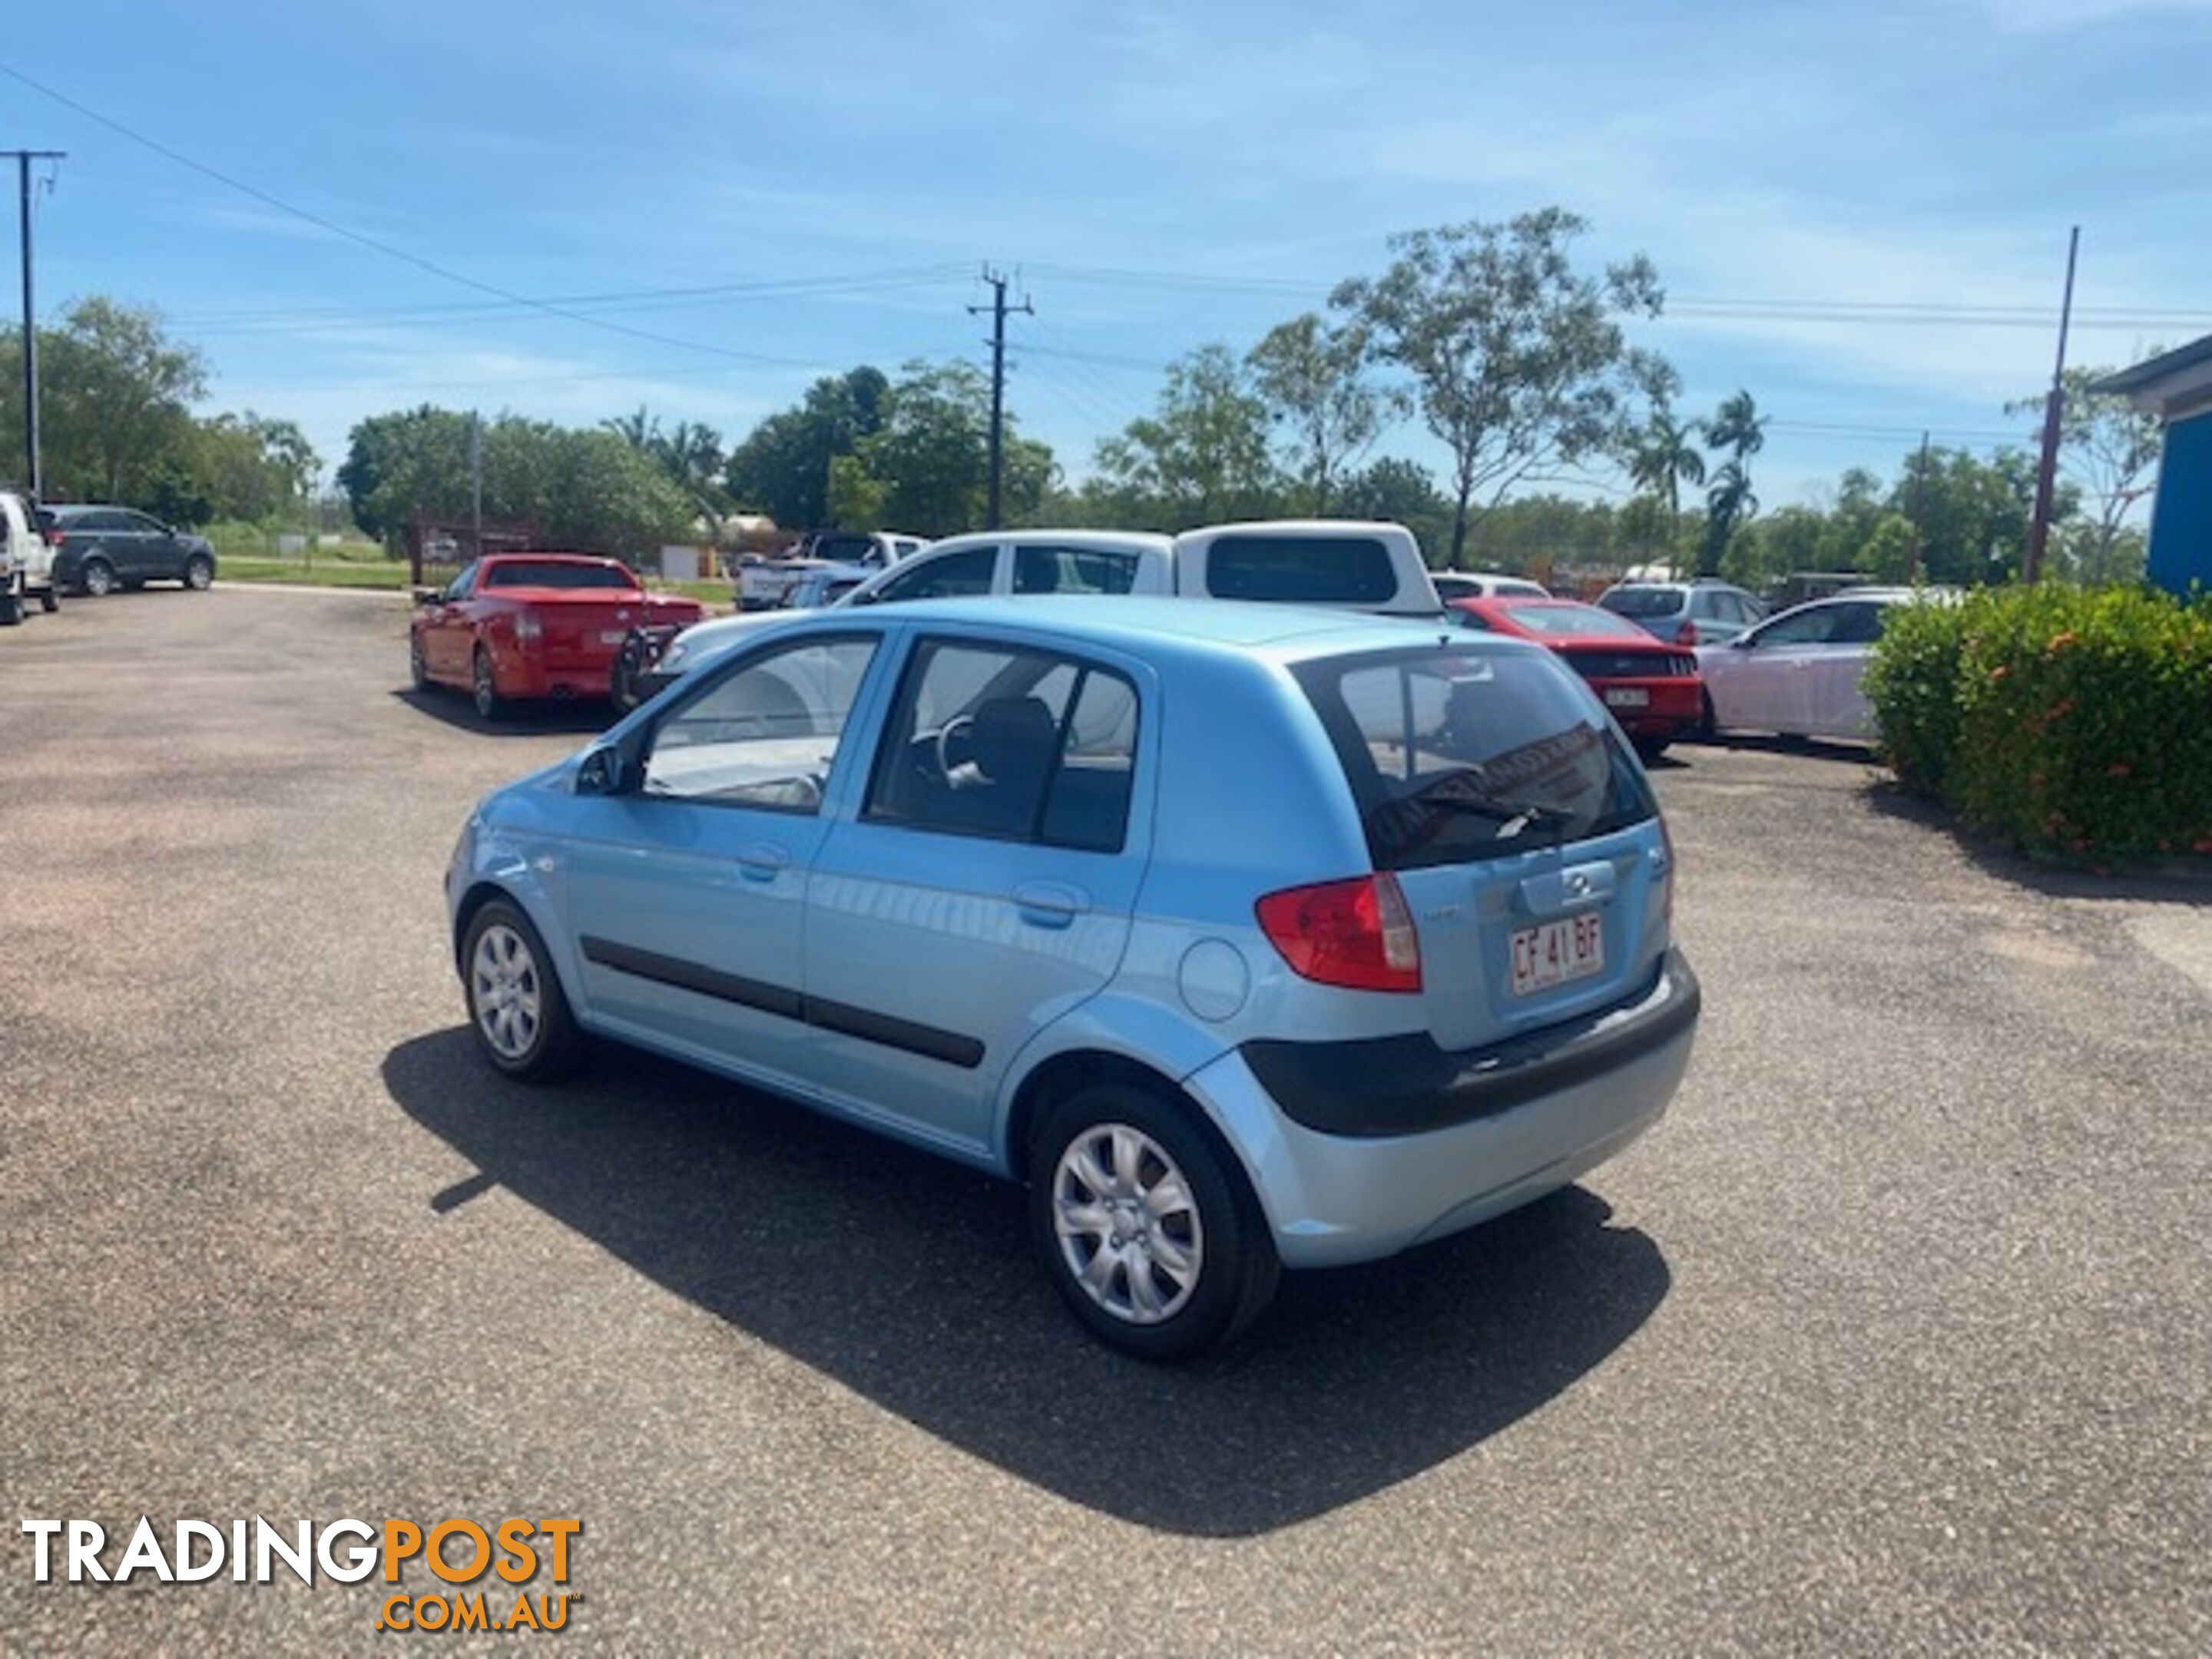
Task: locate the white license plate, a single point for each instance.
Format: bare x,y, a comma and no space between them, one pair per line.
1626,696
613,635
1555,953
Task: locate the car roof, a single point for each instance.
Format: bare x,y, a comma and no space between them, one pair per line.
1103,540
1142,626
548,557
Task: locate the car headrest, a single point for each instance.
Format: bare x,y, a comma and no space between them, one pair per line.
1013,740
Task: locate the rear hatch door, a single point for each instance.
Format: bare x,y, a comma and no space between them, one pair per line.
1524,835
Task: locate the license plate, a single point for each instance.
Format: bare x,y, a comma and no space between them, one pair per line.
613,636
1626,696
1555,953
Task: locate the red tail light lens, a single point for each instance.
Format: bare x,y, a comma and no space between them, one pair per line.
54,536
1687,633
1356,933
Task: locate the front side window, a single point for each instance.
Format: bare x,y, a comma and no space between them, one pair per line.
1457,755
765,735
1040,569
1011,743
1815,624
463,585
142,525
1300,569
952,576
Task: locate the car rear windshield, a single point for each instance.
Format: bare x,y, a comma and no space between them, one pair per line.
553,573
1585,622
1643,601
1459,754
1300,569
843,550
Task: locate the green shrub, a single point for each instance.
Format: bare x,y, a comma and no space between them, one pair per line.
2068,722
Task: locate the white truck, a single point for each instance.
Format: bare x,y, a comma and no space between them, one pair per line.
26,560
763,583
1340,563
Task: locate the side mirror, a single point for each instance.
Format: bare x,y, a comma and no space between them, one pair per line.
603,771
427,595
1742,642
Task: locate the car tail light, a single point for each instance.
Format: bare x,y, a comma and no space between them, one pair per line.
54,534
528,630
1356,933
1687,633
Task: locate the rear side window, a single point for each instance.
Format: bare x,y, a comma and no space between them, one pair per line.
1643,601
1458,755
1043,569
1300,569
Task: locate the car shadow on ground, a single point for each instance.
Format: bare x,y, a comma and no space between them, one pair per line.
535,718
910,1280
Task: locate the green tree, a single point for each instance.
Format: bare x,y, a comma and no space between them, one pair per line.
1662,456
689,453
856,496
1973,514
1886,554
115,404
1404,492
407,462
1202,455
1739,431
1312,378
2110,450
1518,360
782,467
1860,503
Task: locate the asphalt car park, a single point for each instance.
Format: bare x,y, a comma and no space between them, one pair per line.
1895,1334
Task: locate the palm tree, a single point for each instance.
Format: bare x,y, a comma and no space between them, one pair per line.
1664,459
1739,429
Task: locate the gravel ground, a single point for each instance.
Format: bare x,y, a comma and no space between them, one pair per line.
1895,1337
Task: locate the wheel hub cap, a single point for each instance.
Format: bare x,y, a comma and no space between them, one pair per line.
503,986
1127,1224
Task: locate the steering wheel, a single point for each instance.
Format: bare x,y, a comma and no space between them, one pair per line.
959,729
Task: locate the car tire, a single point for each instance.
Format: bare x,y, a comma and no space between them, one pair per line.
97,579
11,608
483,687
199,574
1161,1251
50,600
418,670
1649,749
1709,728
516,1006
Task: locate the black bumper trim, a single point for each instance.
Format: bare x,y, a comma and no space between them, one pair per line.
1404,1085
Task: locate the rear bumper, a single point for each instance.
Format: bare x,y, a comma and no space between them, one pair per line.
1424,1143
521,677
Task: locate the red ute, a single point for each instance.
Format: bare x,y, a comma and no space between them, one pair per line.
522,625
1651,687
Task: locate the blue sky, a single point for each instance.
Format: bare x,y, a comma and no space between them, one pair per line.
1161,175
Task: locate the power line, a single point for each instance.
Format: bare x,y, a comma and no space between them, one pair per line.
444,273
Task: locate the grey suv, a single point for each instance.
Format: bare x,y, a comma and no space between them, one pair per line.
1700,612
104,548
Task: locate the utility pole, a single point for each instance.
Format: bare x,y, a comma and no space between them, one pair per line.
2046,472
1919,493
32,479
998,309
476,485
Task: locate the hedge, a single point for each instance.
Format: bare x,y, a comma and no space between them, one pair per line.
2071,723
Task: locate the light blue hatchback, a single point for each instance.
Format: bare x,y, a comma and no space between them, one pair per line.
1249,937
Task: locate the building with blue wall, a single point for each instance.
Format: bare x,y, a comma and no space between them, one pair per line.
2176,387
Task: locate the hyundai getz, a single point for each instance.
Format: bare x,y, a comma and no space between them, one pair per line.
1248,937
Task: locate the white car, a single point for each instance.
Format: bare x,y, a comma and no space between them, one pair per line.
1343,563
1485,585
763,583
26,560
1799,673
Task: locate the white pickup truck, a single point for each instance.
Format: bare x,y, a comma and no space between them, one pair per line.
26,560
1342,563
763,583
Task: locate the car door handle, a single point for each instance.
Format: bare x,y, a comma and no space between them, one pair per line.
763,862
1048,904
